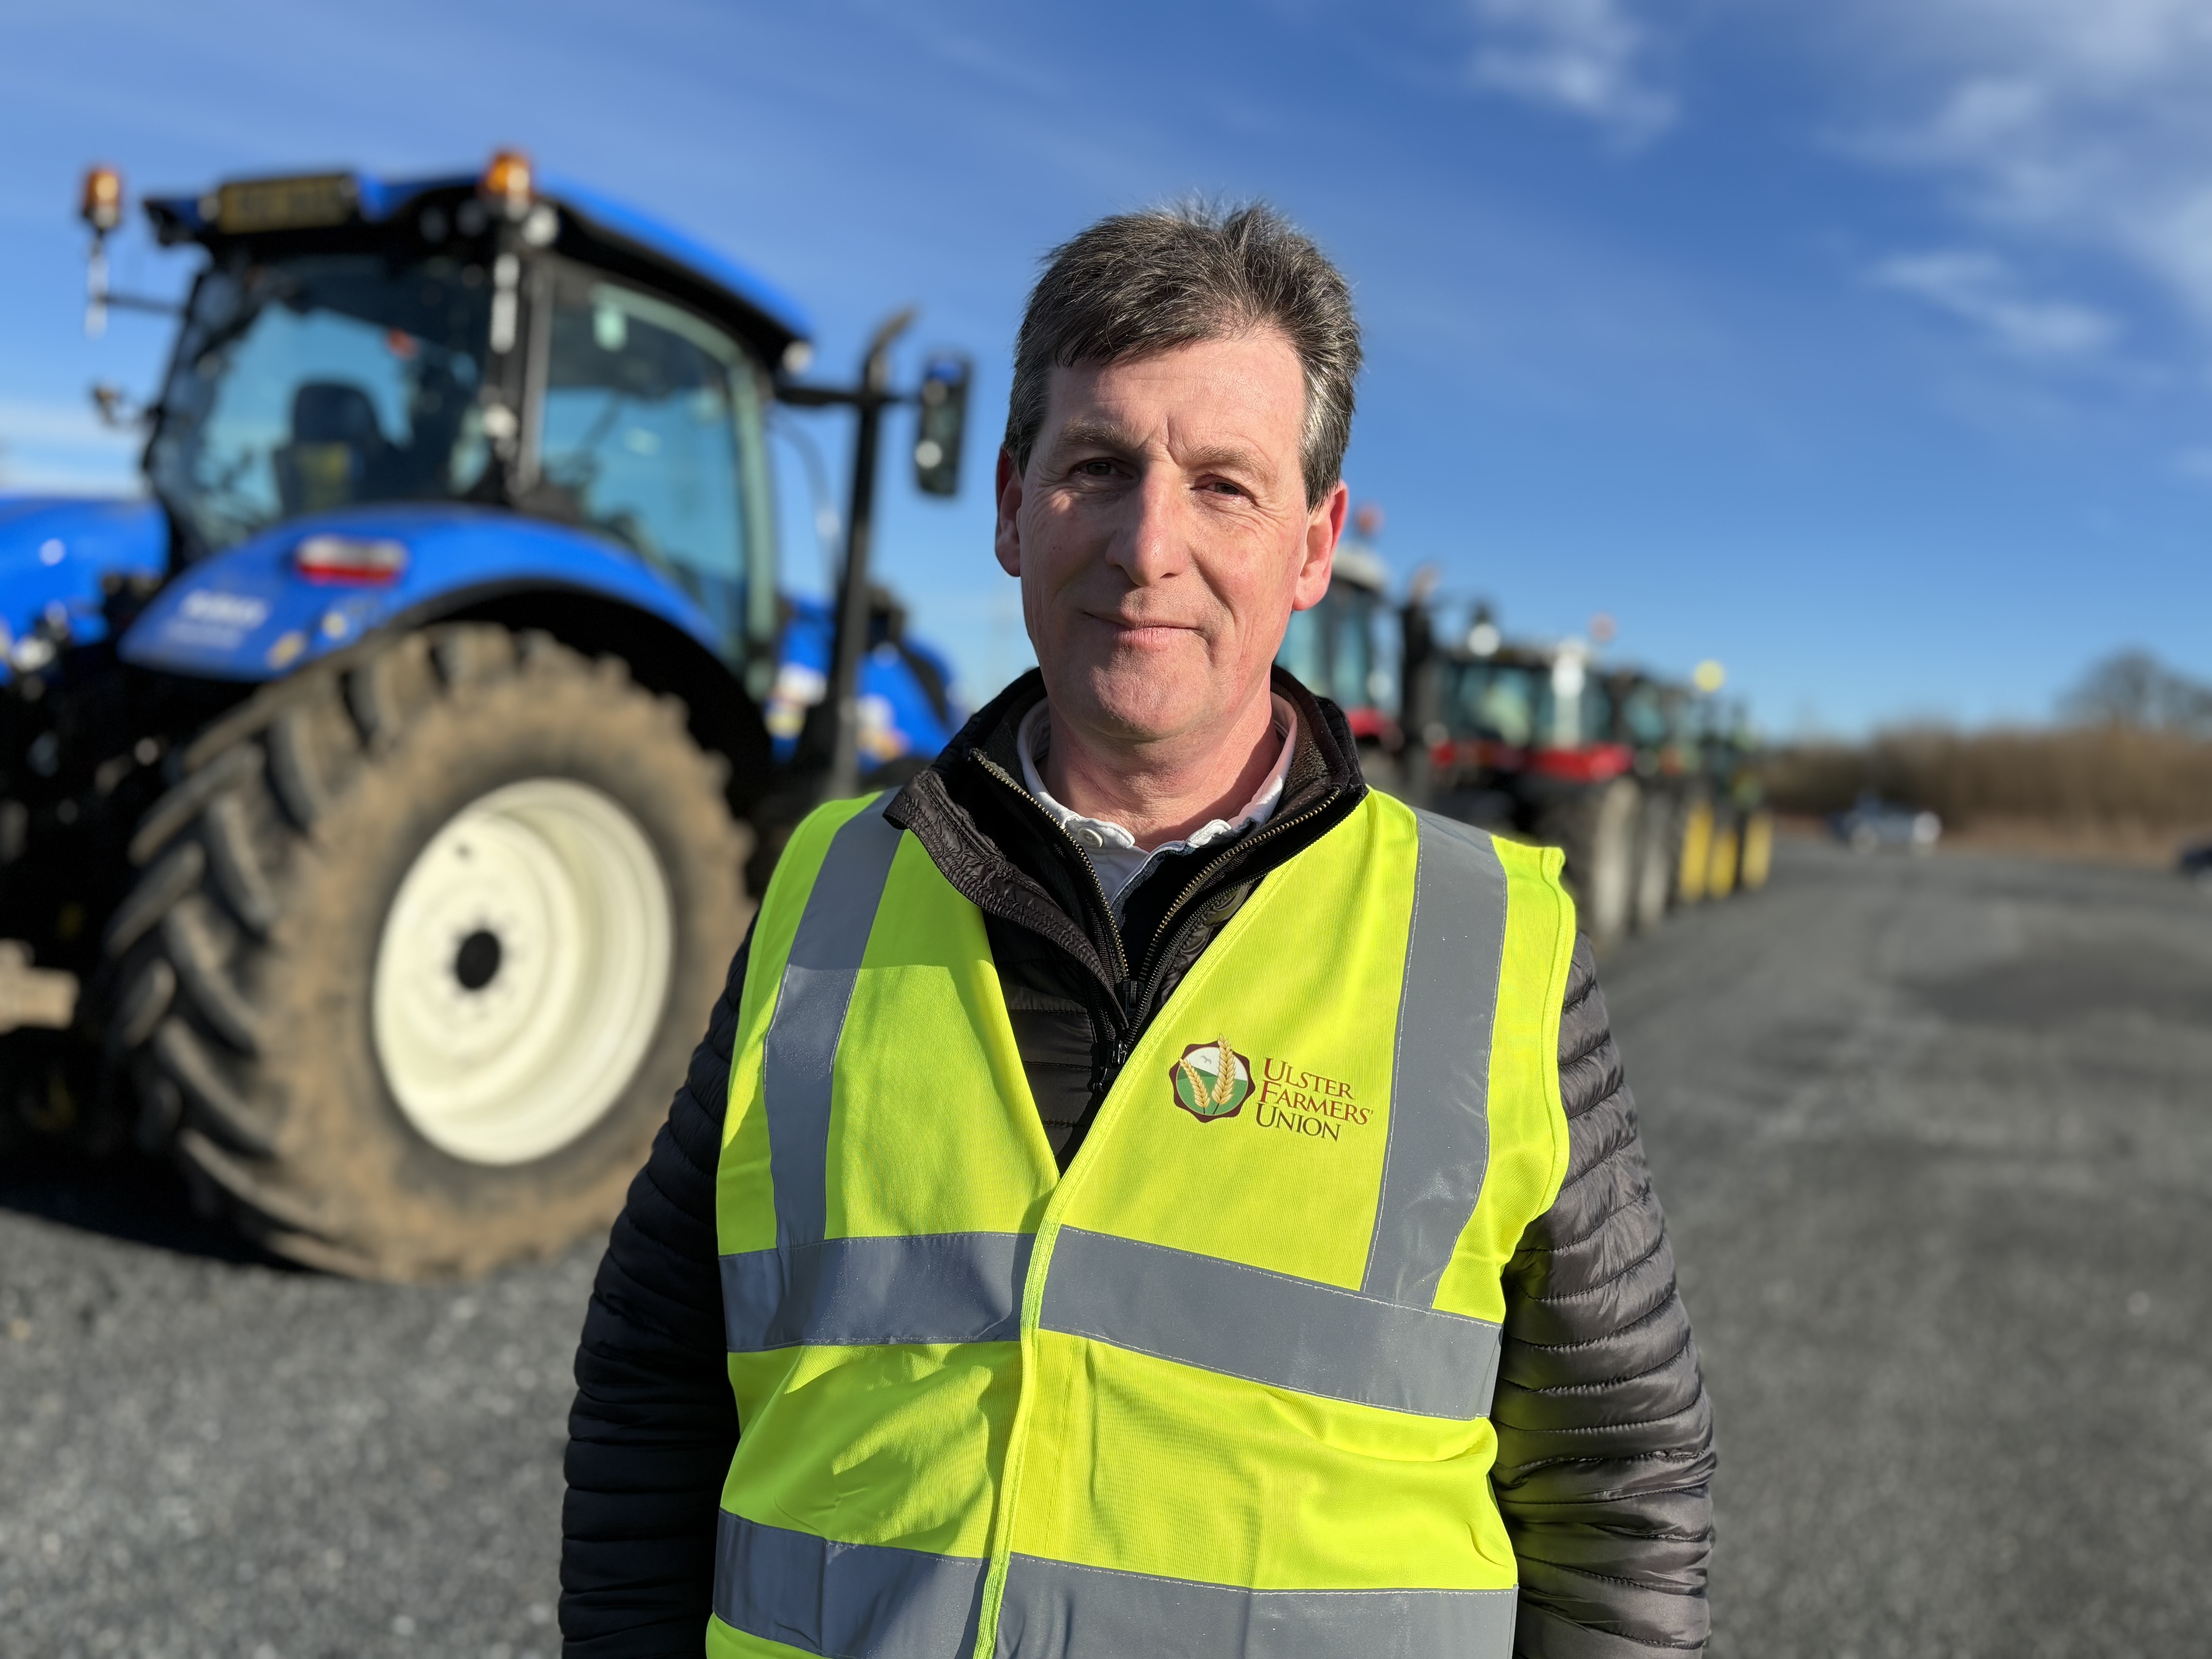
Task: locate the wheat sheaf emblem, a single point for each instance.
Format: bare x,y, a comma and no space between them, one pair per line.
1221,1094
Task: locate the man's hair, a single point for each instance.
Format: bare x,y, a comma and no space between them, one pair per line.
1138,283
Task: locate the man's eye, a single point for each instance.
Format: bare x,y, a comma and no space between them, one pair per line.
1097,468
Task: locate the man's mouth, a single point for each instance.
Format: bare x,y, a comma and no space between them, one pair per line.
1142,632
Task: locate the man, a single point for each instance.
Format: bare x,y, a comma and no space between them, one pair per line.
1142,1192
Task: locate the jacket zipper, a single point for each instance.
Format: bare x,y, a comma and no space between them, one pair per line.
1132,998
1125,979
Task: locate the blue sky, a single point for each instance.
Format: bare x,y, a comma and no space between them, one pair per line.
1862,346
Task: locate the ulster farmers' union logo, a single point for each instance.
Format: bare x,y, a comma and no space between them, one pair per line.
1212,1080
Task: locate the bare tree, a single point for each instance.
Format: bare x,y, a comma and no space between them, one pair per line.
2134,687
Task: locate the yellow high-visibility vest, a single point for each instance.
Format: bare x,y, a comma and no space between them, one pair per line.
1222,1387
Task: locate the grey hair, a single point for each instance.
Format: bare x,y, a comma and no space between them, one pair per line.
1138,283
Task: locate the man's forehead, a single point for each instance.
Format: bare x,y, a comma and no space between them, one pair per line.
1251,382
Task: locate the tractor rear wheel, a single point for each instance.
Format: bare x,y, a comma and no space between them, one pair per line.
1756,861
1656,833
420,948
1596,827
1726,850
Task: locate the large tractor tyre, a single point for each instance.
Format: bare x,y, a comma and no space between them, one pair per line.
1596,827
1723,857
1755,861
421,947
1656,828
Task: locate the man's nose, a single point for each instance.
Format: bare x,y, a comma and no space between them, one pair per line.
1154,543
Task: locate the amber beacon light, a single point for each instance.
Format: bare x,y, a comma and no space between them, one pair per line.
506,182
101,206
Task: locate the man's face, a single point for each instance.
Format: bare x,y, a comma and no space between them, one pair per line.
1162,536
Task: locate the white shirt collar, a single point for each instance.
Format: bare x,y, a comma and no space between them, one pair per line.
1111,849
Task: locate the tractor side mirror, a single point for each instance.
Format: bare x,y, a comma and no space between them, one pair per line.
943,419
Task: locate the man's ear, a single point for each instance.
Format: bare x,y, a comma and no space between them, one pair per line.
1007,542
1324,525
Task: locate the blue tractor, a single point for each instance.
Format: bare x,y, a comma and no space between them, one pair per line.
382,797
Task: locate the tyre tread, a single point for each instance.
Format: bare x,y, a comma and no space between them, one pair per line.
210,1100
236,866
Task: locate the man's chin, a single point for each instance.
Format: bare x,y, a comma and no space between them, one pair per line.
1137,705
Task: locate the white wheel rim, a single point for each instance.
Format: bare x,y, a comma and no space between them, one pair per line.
505,1066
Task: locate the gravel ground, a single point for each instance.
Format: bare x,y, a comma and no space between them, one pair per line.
203,1452
1934,1135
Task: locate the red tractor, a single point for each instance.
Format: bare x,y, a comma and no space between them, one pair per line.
1529,744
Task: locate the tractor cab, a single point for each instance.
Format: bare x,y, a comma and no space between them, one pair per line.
1345,648
489,342
1655,719
1515,708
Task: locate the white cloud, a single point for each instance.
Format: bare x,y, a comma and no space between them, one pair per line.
64,448
1984,290
76,425
2083,122
1585,57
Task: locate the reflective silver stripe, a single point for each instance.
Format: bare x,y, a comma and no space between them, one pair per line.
810,1016
1055,1610
934,1288
852,1600
1439,1132
1268,1327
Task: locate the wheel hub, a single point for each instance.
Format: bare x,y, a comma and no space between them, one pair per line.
476,964
522,971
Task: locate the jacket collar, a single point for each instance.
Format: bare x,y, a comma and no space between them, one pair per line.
1002,852
1326,757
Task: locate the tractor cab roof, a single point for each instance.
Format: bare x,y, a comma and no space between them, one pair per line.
591,228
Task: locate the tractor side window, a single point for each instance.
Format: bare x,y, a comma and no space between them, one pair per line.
643,436
1305,650
1597,712
1646,716
1351,652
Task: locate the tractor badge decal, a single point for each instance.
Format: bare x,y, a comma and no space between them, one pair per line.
1212,1080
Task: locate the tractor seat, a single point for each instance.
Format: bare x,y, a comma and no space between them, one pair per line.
336,451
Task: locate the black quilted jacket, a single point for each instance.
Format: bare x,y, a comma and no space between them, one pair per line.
1605,1437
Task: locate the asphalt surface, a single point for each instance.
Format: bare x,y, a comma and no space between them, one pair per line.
1934,1136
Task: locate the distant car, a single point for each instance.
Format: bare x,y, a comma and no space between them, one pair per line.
2195,863
1875,824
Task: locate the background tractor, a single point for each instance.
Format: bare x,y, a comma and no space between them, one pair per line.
386,792
1655,720
1741,849
1348,648
1529,746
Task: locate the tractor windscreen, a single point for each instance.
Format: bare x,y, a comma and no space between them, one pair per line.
1528,705
1500,703
320,380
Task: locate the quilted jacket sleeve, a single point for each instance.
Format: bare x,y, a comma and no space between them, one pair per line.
654,1425
1605,1441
